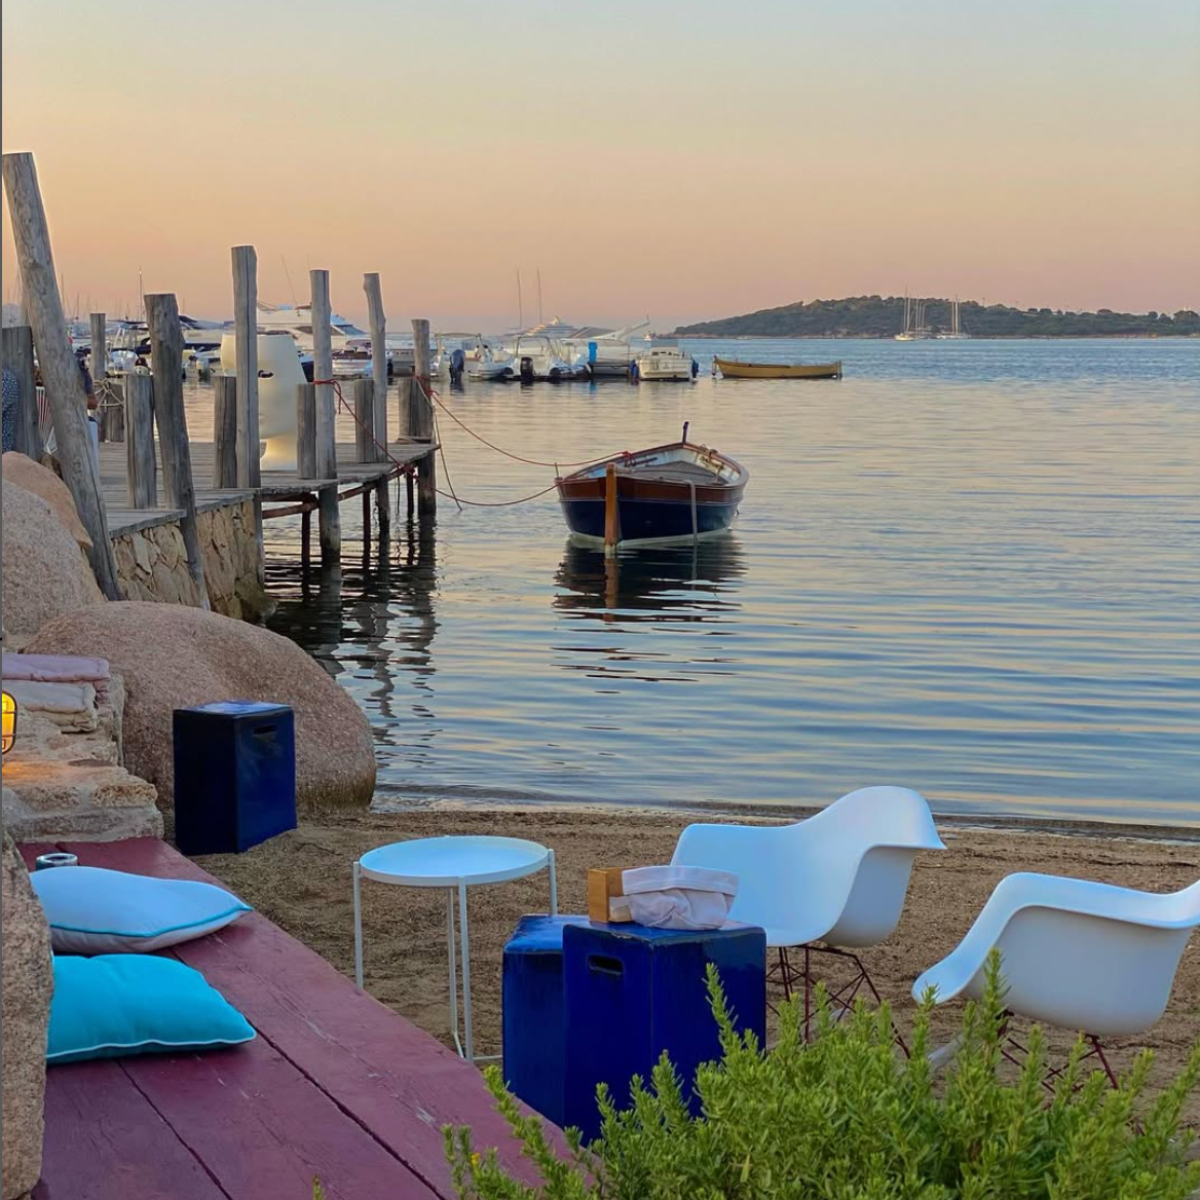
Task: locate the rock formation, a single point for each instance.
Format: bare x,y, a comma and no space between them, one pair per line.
175,657
28,982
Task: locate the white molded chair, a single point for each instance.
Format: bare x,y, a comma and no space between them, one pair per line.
1079,955
838,878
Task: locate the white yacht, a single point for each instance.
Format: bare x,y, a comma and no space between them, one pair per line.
665,364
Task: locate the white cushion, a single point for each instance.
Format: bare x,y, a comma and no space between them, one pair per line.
92,910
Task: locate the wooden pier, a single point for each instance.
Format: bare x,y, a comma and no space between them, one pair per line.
151,472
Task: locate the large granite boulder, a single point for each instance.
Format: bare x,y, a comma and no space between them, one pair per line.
28,984
41,481
45,572
174,657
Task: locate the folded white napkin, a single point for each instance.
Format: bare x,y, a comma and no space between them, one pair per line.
677,897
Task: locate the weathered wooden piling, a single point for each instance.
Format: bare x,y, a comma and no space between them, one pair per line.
141,468
612,515
330,531
379,363
60,371
364,393
225,432
99,369
245,327
306,430
166,355
17,353
420,418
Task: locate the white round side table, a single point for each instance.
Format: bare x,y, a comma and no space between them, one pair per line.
453,863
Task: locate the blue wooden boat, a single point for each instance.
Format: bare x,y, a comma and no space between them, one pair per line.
676,493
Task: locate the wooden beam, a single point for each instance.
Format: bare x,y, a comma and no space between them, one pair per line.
330,518
99,368
612,514
225,432
364,394
60,371
379,360
16,350
306,431
166,357
420,406
141,468
245,323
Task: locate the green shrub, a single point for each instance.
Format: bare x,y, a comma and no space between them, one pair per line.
847,1118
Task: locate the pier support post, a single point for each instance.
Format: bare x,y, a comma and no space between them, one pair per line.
225,432
408,491
383,509
141,467
330,518
420,418
379,365
245,326
17,352
306,431
365,395
60,371
110,419
166,357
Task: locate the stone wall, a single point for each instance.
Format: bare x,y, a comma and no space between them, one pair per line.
152,563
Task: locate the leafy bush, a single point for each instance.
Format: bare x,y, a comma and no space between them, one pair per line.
846,1118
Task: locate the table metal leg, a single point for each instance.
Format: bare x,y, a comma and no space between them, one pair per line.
553,886
358,966
468,1034
453,970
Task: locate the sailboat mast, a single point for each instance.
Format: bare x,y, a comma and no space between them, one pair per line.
541,319
520,303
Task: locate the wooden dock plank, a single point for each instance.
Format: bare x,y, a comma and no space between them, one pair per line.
275,484
106,1141
395,1080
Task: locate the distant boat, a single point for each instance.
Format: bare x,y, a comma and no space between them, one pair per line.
915,329
745,370
676,493
956,330
666,364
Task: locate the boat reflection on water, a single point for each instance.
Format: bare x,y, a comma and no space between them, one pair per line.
695,582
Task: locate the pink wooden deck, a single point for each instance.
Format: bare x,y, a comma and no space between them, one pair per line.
336,1086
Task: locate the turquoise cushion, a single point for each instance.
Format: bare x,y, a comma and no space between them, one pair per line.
118,1004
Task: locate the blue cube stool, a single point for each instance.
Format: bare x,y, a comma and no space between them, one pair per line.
235,775
632,992
532,1000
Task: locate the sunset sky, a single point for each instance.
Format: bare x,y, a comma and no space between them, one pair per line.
677,160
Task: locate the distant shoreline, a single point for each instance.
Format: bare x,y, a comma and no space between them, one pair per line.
886,337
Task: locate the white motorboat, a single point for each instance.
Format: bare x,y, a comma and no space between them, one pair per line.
297,320
479,359
666,364
539,358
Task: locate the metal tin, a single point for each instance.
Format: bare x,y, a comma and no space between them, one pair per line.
55,860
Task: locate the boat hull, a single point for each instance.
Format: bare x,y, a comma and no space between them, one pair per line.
653,511
741,370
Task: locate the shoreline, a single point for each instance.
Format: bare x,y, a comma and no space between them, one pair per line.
1083,827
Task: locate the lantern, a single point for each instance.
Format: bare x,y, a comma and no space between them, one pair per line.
10,722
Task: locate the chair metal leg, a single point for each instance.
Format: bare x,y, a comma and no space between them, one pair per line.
553,886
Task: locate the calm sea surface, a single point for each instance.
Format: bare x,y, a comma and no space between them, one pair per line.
971,568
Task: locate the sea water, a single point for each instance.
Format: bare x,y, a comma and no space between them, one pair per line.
971,568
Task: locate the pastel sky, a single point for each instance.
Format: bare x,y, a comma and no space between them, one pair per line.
674,159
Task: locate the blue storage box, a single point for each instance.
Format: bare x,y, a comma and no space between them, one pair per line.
534,1039
235,775
632,992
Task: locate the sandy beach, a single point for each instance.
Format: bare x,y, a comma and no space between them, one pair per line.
301,880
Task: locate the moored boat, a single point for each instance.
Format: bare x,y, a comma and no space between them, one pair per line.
732,369
675,493
666,364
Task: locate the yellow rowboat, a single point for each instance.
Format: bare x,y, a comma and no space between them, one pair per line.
744,370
